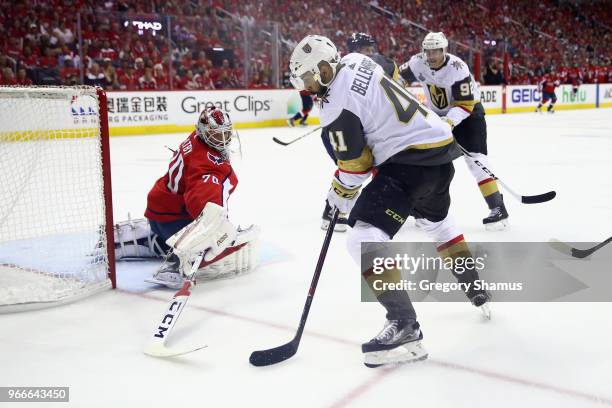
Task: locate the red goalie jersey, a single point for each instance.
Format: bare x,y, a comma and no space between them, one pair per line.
197,174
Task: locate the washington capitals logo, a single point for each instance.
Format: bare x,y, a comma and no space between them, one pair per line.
215,159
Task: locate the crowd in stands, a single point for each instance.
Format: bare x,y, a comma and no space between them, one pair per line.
105,43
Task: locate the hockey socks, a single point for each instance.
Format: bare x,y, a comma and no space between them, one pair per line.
396,302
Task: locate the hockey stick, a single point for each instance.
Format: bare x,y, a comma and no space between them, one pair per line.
575,252
525,199
281,353
157,346
280,142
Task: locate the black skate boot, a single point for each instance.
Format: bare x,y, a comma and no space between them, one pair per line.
398,342
497,219
551,109
481,300
341,224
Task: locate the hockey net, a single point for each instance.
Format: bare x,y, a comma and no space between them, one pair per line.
55,199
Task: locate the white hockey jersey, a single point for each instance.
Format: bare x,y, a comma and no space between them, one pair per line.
370,120
450,90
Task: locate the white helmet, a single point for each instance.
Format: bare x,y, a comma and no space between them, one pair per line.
306,57
434,41
214,127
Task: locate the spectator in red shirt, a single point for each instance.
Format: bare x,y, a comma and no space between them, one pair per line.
22,77
160,77
205,81
69,74
128,80
256,82
139,67
47,60
28,59
147,81
107,51
8,78
190,81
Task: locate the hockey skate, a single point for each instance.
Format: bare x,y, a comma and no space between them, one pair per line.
303,123
538,109
341,224
551,109
290,122
168,274
497,219
398,342
481,301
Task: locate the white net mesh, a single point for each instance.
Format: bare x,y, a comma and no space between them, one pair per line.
52,212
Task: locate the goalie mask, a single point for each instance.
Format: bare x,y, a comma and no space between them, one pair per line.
305,59
214,127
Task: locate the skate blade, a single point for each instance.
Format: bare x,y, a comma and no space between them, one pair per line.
497,226
486,311
406,353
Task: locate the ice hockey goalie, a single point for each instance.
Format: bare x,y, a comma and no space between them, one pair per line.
187,211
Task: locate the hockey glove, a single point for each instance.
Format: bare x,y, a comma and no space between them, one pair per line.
342,197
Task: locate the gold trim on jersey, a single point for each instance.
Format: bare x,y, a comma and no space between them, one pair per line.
468,105
395,72
438,96
360,164
424,146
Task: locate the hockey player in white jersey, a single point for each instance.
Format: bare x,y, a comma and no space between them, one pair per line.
362,43
452,93
374,123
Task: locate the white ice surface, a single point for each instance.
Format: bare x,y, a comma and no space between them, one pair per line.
529,355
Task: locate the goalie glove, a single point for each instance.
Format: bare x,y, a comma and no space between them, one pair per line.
210,233
341,196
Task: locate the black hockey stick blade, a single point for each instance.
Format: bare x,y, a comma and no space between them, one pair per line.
583,253
280,142
275,355
262,358
540,198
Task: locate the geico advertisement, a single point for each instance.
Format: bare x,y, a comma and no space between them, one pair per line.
490,96
183,107
528,95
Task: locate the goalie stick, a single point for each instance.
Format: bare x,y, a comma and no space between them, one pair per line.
575,252
525,199
275,355
280,142
157,345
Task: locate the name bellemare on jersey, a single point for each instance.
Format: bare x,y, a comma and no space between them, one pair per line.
372,120
446,87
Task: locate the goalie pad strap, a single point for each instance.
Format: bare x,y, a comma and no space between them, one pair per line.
223,254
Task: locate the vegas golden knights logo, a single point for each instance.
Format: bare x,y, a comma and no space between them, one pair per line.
438,96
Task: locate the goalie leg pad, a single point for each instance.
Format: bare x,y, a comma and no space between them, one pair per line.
236,260
135,240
